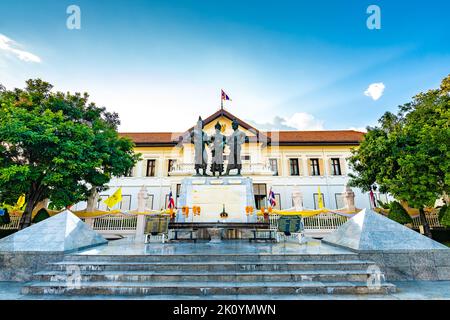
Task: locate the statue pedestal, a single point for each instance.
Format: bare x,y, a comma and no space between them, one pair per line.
213,195
215,234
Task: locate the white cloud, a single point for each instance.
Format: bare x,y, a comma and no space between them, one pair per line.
10,46
298,121
360,129
375,90
303,121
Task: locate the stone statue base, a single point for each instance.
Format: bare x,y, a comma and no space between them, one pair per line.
213,195
215,234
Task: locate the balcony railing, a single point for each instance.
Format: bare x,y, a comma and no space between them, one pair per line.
13,225
184,169
432,218
115,223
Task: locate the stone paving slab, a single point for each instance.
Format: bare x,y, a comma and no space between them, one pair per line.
135,246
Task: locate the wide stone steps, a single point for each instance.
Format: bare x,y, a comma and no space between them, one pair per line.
205,257
207,274
213,265
173,276
205,288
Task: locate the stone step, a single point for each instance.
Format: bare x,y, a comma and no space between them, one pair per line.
212,257
211,266
205,288
218,276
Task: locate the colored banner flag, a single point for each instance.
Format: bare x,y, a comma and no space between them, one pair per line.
372,199
171,203
114,199
319,199
272,201
225,96
20,202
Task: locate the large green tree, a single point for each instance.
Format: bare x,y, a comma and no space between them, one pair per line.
58,146
408,154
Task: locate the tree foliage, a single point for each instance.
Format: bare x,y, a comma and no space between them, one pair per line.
444,215
408,154
398,213
41,215
57,145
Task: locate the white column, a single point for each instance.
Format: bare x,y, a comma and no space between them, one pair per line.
140,226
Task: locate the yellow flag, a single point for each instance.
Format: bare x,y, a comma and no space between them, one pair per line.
114,199
320,199
20,202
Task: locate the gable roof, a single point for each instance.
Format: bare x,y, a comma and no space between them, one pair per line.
259,136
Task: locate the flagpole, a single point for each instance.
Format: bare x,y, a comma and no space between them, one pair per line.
221,100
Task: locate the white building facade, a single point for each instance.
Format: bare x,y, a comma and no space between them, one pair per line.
286,161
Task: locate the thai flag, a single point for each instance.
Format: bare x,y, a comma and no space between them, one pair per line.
225,96
171,201
372,198
272,201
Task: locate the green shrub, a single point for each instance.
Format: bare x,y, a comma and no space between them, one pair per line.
382,204
444,216
398,213
41,215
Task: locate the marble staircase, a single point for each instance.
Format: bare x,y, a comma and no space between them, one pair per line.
200,274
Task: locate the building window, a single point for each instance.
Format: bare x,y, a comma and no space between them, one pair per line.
316,200
149,201
340,203
274,166
278,201
171,165
125,204
260,193
336,167
100,204
315,169
245,158
178,194
151,165
293,164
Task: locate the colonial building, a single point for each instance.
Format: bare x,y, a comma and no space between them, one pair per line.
285,161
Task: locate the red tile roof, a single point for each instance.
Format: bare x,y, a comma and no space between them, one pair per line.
152,138
339,137
315,137
336,137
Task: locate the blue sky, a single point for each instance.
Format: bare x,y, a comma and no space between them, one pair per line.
286,64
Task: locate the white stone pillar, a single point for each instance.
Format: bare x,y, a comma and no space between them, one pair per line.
142,197
349,198
297,199
140,226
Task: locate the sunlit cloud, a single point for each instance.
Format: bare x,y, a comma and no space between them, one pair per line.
375,90
298,121
360,129
9,46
